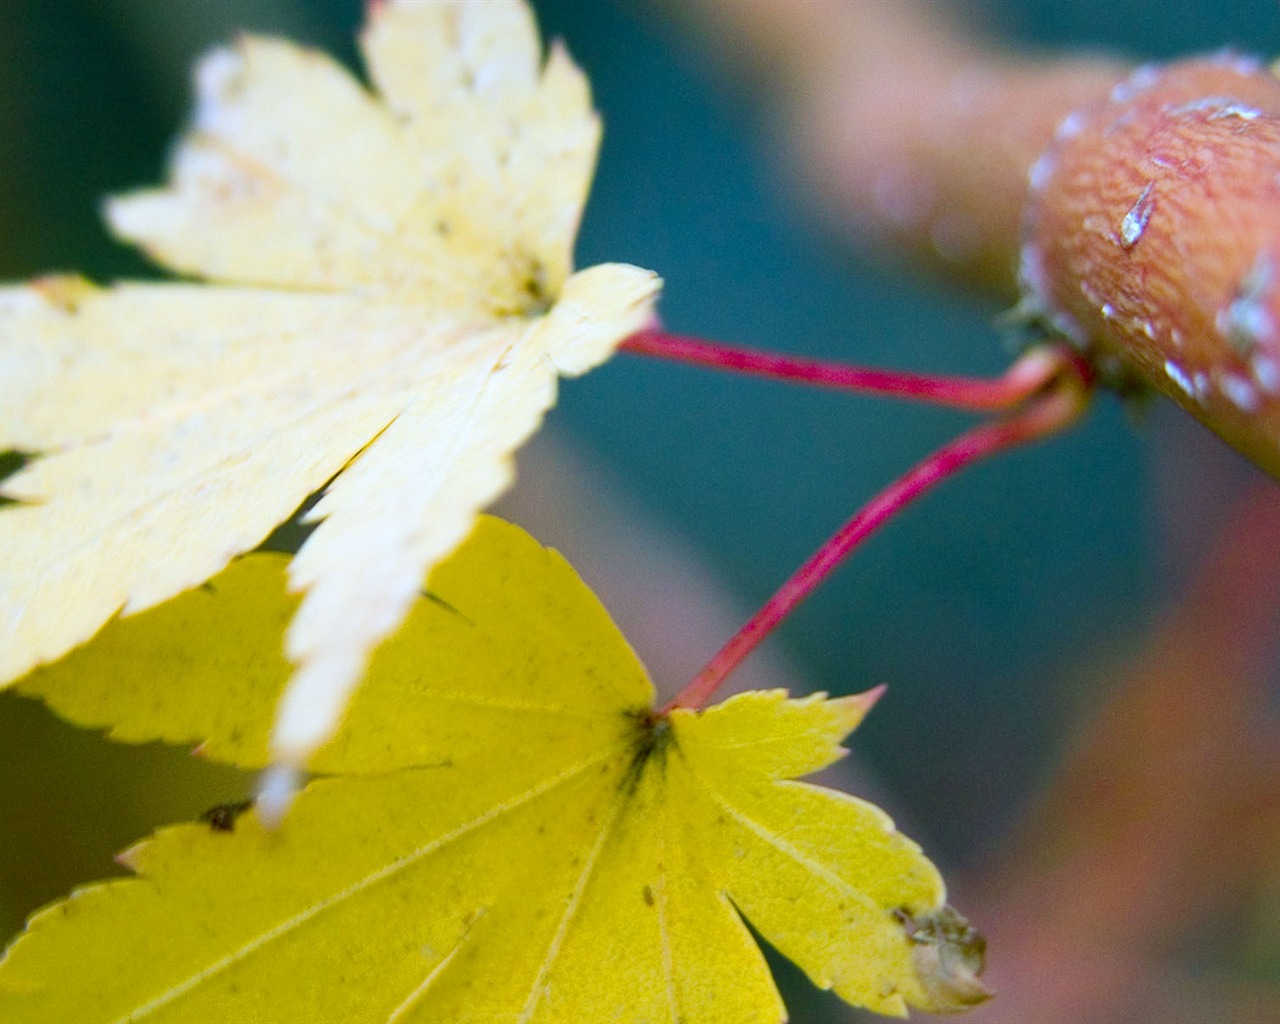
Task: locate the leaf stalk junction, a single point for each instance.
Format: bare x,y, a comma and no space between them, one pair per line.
1044,392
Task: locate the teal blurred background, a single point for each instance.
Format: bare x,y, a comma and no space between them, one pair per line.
985,608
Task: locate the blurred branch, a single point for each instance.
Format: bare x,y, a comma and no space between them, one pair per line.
1163,820
909,129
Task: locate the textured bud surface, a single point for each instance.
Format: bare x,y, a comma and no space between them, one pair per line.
1153,241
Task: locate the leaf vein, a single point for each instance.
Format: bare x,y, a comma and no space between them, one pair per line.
228,462
355,889
570,912
776,840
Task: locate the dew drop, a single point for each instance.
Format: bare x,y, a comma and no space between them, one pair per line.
1247,320
1179,377
1217,107
1129,116
1240,393
1239,110
1070,126
1031,271
1143,78
1040,173
1240,63
1266,371
1135,221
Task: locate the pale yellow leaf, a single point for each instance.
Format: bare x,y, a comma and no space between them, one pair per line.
398,303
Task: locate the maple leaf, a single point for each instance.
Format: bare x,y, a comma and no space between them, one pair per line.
519,835
393,303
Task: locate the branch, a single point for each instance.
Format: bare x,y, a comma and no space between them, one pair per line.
1143,212
1050,412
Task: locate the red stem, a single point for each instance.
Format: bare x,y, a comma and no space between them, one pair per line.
1025,377
1049,414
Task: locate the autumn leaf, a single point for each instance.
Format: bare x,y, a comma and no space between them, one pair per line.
393,304
512,833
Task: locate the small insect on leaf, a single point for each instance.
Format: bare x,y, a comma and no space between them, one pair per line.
505,813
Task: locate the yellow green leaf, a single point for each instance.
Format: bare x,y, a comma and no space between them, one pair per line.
520,837
508,649
393,302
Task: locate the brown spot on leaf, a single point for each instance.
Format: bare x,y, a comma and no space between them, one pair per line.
222,817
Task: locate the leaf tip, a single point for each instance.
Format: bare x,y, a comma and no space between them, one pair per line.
131,858
854,708
869,698
65,292
948,955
